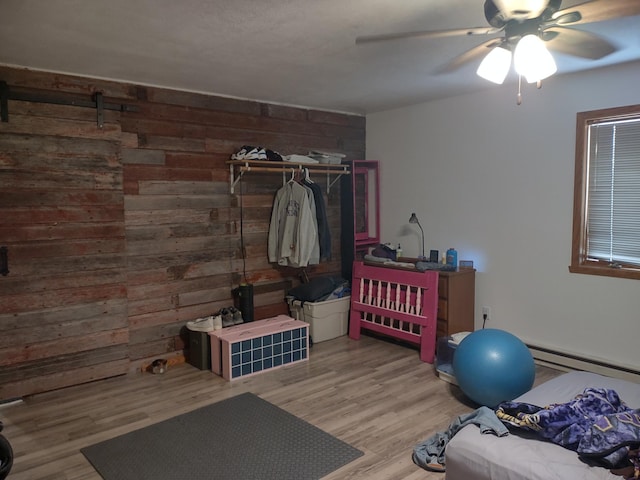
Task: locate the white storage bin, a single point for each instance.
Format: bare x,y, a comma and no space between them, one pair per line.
327,320
445,351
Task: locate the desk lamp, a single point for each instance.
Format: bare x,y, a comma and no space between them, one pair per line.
414,219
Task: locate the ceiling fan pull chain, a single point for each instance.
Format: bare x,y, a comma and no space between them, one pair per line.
519,97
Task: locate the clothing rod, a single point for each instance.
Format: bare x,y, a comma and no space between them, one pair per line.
244,168
237,169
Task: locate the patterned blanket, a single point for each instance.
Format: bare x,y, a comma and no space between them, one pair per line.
596,424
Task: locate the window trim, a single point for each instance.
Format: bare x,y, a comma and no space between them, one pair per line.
579,262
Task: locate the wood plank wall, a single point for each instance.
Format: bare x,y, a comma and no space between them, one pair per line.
119,235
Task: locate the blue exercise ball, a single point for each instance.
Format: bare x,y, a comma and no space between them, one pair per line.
493,366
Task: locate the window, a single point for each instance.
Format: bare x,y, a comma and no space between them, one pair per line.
606,211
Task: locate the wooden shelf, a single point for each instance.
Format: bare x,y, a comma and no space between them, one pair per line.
237,168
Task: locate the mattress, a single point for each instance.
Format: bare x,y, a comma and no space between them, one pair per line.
470,454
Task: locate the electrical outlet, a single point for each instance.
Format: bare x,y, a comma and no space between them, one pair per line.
486,312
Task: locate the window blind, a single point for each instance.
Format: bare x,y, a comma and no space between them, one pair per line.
613,196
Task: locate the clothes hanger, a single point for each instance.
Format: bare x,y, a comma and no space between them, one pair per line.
307,178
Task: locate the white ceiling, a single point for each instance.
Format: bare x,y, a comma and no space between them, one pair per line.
294,52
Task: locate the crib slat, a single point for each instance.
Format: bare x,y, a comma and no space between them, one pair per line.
388,291
407,298
396,306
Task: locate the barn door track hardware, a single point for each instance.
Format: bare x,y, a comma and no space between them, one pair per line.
94,101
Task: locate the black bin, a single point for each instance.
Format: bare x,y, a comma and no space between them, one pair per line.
200,350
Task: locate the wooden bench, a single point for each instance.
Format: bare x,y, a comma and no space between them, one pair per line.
254,347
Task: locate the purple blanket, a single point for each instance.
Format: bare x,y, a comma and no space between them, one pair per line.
596,424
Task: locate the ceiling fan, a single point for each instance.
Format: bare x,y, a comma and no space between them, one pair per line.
540,22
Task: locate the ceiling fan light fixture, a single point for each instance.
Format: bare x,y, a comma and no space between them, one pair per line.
532,60
495,65
521,8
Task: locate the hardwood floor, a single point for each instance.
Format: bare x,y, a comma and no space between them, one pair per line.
373,394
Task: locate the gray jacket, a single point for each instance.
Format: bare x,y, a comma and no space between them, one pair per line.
293,231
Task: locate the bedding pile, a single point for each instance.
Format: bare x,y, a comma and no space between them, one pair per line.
596,424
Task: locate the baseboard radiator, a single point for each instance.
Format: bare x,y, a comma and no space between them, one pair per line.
569,361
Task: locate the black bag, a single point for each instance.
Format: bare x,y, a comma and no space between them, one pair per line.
384,251
316,288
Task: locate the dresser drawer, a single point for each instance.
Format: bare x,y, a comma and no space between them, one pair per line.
456,300
442,328
443,286
443,310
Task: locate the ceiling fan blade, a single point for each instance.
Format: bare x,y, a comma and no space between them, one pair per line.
567,18
429,34
601,10
470,55
579,43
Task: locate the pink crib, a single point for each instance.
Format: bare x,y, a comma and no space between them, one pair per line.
399,303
